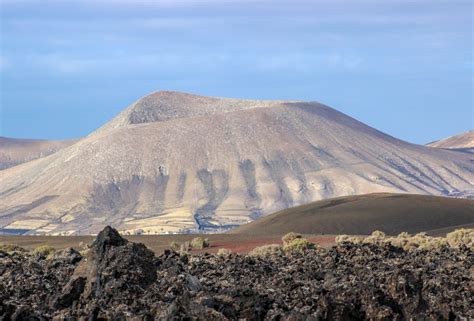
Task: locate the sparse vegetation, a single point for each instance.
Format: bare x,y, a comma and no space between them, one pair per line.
185,248
84,248
348,238
418,241
461,236
224,252
44,250
290,237
175,246
10,248
266,250
199,243
377,237
298,245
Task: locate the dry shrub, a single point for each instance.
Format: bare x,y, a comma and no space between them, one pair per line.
348,239
175,246
224,252
461,236
377,237
290,237
84,248
185,248
266,250
199,243
419,241
44,250
298,245
10,248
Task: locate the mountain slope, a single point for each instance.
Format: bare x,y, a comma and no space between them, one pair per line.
363,214
460,141
176,162
17,151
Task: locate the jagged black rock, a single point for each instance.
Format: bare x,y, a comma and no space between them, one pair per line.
120,280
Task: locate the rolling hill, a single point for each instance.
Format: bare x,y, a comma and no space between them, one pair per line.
363,214
17,151
460,141
177,162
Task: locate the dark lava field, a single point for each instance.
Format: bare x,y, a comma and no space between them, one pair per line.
120,280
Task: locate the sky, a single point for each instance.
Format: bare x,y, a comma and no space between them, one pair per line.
404,67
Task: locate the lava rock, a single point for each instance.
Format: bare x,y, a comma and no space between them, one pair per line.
120,280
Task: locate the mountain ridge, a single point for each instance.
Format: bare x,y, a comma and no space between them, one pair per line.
15,151
460,141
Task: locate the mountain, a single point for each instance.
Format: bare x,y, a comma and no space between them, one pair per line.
17,151
176,162
460,141
363,214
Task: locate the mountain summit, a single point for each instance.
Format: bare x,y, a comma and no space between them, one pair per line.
179,162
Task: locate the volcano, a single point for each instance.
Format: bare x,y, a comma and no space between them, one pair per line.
177,162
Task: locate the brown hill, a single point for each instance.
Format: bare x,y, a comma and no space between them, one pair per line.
17,151
363,214
176,162
461,141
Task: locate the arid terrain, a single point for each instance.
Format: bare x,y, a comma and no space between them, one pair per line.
176,162
319,221
460,141
362,214
18,151
119,280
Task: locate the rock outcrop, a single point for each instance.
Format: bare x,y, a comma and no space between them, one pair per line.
119,280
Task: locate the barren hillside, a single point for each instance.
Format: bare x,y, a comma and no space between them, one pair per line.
17,151
175,162
464,140
363,214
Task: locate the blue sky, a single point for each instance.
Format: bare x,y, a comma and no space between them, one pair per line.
404,67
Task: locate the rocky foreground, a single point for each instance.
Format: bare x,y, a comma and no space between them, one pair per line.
120,280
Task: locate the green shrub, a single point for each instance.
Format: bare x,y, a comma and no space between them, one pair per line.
266,250
44,250
199,243
298,245
290,237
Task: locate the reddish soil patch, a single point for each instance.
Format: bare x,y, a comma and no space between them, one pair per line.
236,243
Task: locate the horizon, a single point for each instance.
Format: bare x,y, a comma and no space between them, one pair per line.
402,68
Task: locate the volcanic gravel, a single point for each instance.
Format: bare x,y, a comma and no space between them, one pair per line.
120,280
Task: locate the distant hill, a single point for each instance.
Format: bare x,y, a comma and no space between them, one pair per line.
178,162
461,141
15,151
363,214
